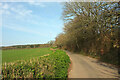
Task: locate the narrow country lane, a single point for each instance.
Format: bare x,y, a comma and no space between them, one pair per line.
86,67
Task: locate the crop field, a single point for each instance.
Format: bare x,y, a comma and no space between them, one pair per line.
54,65
23,54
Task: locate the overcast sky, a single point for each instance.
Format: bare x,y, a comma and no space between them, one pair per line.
30,22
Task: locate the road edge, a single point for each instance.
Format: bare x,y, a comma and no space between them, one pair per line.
70,65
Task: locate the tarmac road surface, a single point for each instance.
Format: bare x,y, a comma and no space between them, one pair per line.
86,67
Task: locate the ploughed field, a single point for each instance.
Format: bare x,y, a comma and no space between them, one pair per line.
31,63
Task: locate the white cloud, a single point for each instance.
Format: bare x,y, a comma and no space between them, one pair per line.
0,4
21,11
37,3
23,29
5,6
23,15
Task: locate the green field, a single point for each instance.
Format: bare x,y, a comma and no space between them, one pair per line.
23,54
54,65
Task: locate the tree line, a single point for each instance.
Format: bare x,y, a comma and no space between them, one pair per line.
27,46
91,28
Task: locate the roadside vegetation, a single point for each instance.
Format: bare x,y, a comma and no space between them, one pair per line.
54,65
91,28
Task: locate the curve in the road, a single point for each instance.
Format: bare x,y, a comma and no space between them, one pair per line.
86,67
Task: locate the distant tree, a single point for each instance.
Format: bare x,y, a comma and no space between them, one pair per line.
31,46
51,42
